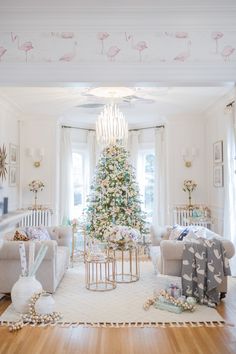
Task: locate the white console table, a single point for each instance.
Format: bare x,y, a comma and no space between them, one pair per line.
12,219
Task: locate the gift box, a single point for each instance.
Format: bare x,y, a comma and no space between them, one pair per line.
164,282
167,307
174,290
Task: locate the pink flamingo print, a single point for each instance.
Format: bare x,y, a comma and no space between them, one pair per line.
13,37
140,46
69,56
184,55
227,52
216,36
169,34
101,36
67,35
2,52
181,35
112,52
25,47
127,36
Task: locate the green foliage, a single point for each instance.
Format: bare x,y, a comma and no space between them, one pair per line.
114,196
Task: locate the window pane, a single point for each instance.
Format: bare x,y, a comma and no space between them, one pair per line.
145,177
78,181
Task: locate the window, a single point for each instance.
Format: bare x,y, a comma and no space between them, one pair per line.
145,178
79,181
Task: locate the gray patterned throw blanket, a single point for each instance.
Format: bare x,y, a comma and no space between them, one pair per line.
204,266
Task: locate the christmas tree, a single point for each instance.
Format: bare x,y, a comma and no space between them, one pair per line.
114,197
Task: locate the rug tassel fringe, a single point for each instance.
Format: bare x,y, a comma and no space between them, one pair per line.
126,324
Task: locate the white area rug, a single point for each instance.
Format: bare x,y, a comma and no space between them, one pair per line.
120,307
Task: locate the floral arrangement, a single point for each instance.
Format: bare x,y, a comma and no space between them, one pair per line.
119,236
74,223
189,185
36,185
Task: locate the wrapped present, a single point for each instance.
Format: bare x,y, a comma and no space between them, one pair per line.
167,306
164,281
174,290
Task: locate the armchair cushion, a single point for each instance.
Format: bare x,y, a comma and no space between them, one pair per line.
51,269
37,233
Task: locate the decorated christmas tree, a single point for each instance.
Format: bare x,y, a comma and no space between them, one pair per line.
114,198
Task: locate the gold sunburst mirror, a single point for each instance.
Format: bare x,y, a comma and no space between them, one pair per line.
3,163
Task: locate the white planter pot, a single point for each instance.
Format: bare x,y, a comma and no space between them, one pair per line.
22,291
45,304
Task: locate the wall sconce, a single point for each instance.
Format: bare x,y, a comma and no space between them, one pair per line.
36,155
229,106
189,155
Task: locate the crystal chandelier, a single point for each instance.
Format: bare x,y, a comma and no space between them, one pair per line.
111,126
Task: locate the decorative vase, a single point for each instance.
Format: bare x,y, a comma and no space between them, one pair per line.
45,304
22,291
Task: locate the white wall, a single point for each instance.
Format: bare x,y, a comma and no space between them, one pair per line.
185,133
9,135
215,131
36,133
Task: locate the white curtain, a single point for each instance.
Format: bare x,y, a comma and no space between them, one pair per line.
159,213
66,185
133,146
92,154
230,181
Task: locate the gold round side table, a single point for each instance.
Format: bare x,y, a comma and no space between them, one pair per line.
127,264
100,274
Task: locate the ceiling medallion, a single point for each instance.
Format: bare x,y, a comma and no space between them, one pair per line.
3,163
111,92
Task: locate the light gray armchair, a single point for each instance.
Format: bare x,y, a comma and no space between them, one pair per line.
52,268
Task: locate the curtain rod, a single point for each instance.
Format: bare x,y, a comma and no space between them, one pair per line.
137,129
131,130
70,127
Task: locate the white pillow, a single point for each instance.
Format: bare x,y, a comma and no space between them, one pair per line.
176,232
37,233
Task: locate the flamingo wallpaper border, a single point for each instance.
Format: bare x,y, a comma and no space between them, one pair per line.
125,47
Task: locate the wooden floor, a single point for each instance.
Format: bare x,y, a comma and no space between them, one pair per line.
188,340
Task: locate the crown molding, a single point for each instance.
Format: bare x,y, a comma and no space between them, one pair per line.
217,17
108,7
117,74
